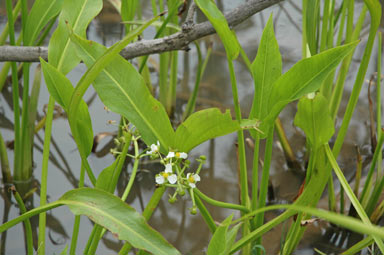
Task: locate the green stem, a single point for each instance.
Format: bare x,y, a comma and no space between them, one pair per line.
259,219
76,225
134,171
241,148
5,32
171,97
255,172
44,175
339,87
378,103
25,134
29,214
27,223
219,203
90,240
368,182
375,21
15,96
288,152
199,74
122,157
240,135
348,190
205,214
95,240
5,169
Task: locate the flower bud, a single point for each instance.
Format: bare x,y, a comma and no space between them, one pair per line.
193,210
172,200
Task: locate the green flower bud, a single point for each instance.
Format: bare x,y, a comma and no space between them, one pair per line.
193,210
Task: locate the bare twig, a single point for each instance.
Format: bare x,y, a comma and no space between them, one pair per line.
177,41
190,14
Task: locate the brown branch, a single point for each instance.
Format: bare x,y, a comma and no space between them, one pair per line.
177,41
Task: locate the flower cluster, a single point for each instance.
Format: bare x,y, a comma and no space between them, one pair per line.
173,175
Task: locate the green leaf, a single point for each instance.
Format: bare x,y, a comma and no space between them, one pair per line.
122,89
115,215
61,89
106,176
41,13
304,77
231,237
214,15
218,243
266,69
314,119
78,14
207,124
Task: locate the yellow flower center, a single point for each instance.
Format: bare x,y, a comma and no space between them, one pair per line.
165,175
191,179
177,154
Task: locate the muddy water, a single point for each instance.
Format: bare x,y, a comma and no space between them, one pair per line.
219,177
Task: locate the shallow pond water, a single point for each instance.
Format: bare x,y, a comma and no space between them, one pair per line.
219,175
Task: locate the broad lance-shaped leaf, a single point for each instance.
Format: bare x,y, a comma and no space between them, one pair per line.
304,77
78,14
314,119
222,240
61,89
122,89
41,13
266,69
118,217
207,124
214,15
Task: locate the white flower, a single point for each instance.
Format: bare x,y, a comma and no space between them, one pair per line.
182,155
173,154
192,179
154,148
166,175
168,168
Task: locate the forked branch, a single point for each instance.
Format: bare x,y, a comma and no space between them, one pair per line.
177,41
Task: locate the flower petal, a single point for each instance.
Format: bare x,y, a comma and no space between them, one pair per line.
171,154
192,185
172,179
168,168
196,177
159,179
183,155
